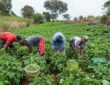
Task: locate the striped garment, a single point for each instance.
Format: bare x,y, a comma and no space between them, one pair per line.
41,46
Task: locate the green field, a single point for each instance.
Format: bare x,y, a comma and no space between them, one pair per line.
98,35
54,70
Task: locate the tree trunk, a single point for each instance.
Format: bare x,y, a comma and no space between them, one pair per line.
52,21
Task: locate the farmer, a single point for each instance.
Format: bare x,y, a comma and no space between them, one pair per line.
77,45
58,42
8,38
37,41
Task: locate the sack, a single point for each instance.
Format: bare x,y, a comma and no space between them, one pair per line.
105,82
99,60
32,71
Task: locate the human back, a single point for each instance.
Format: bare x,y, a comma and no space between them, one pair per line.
33,40
7,35
58,41
77,41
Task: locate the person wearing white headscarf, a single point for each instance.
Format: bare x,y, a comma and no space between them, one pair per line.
77,45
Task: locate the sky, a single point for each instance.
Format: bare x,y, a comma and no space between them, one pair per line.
76,8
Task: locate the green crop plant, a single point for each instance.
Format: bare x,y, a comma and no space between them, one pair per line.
37,59
54,69
11,69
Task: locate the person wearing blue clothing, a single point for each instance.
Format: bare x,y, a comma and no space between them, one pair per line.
35,41
58,42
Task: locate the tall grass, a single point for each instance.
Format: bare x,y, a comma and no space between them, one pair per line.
10,22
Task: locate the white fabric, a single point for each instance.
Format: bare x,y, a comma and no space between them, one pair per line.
77,41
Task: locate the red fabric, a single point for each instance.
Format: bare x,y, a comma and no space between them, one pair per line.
41,46
8,37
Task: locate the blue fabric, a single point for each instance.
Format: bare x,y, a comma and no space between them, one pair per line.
33,40
58,41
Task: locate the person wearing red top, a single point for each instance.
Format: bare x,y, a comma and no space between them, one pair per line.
8,38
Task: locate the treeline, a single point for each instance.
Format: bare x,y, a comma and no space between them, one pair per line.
5,7
91,20
106,17
54,9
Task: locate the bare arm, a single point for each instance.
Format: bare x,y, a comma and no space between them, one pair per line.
6,48
76,51
30,49
81,53
82,50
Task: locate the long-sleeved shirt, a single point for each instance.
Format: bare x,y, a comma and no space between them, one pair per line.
33,40
8,37
76,41
58,41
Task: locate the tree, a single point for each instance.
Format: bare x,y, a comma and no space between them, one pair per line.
47,16
80,17
75,19
107,7
12,13
104,19
56,7
5,7
90,16
66,16
27,11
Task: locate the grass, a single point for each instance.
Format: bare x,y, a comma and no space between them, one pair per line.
7,22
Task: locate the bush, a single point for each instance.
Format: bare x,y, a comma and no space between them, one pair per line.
38,18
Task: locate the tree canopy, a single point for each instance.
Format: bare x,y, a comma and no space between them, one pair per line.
66,16
55,7
27,11
5,7
107,7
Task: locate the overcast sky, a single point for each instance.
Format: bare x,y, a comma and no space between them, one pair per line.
75,7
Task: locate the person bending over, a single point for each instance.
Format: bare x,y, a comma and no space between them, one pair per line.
37,41
8,38
77,45
58,42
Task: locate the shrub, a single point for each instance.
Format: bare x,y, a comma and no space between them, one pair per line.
38,18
